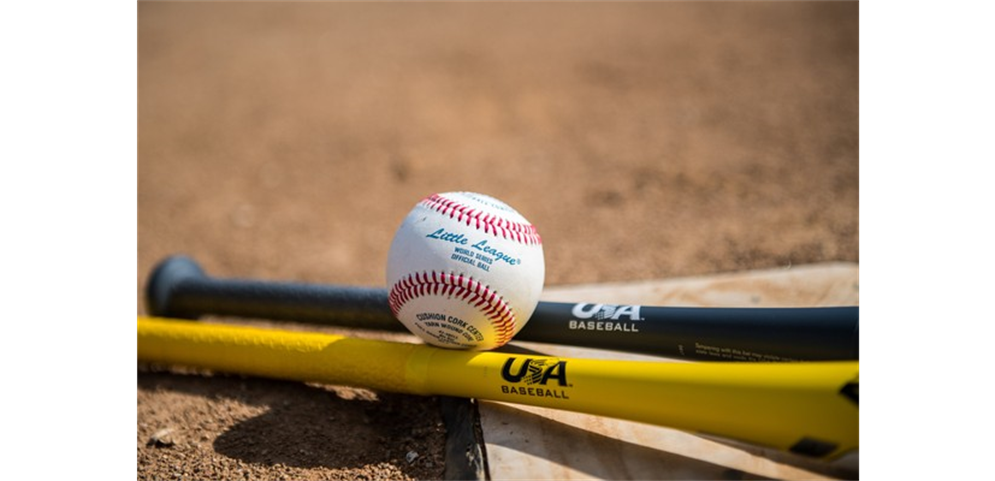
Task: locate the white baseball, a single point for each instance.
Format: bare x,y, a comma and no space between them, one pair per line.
465,271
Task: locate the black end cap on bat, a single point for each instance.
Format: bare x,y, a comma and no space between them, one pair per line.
163,281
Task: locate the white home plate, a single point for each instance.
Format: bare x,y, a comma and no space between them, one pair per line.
524,442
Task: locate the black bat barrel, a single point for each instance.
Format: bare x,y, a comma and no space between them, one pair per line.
714,334
179,288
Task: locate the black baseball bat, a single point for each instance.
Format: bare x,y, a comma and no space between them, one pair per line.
179,288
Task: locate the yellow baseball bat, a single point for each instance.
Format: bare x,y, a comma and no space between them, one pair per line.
807,408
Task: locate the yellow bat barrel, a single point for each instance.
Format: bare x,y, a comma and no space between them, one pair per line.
808,408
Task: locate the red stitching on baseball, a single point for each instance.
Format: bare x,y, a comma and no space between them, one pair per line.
491,224
466,288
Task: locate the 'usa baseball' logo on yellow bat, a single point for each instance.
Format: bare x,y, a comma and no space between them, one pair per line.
535,374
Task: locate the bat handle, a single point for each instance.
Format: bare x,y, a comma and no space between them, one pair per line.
179,288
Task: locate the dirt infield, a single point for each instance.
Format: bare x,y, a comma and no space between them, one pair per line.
644,140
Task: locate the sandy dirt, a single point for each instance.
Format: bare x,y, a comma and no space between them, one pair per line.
644,140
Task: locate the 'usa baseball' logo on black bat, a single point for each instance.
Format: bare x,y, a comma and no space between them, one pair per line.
605,317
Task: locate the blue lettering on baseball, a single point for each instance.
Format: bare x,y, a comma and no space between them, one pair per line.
442,235
463,259
501,256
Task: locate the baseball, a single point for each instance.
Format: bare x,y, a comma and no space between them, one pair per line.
465,271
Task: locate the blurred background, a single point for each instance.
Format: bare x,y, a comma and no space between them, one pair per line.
644,140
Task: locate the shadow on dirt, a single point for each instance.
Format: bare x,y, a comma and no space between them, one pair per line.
310,426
